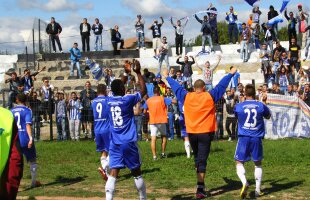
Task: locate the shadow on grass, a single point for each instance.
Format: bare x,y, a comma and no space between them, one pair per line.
184,197
176,154
129,175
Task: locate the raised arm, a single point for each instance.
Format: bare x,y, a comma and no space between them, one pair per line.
171,20
220,88
178,90
199,20
137,70
213,67
162,20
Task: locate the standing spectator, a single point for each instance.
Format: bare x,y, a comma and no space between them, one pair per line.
255,36
35,106
157,106
148,77
116,38
212,13
53,29
46,92
75,55
256,15
291,27
97,29
74,108
28,79
272,14
250,21
207,73
163,54
156,32
186,69
137,111
179,32
85,34
231,18
306,94
244,42
171,111
14,82
283,79
206,32
308,43
87,96
109,78
265,56
180,79
294,55
290,91
61,115
268,35
219,110
172,73
231,118
139,25
302,18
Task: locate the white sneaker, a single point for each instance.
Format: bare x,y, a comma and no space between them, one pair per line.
144,48
229,139
61,51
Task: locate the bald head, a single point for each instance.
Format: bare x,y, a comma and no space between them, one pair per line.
199,85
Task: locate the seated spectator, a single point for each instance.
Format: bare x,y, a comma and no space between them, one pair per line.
46,92
290,91
186,69
75,56
116,38
36,107
276,89
14,82
172,73
61,115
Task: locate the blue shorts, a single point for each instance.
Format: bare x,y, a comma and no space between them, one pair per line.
248,147
124,155
182,126
30,154
102,142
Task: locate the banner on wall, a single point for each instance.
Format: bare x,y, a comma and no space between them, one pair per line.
290,117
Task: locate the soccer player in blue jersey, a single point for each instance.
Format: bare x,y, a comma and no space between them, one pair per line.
123,150
184,134
251,131
23,118
102,127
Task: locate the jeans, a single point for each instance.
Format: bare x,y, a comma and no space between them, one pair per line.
53,39
140,39
114,44
36,127
257,44
98,42
275,30
270,45
204,39
307,48
215,33
163,57
179,44
61,128
232,32
244,53
138,123
231,132
77,65
220,126
171,127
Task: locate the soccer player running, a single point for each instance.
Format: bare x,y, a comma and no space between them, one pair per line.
200,120
102,128
123,150
251,131
23,118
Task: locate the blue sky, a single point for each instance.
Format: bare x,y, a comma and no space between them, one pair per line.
17,16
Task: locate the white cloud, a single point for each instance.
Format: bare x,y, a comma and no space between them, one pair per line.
53,5
153,8
225,2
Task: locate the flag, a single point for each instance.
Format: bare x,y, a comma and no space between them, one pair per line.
252,2
275,20
284,5
95,69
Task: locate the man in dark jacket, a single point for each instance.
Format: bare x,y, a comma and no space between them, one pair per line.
53,29
291,27
186,69
116,38
272,14
97,28
206,31
85,33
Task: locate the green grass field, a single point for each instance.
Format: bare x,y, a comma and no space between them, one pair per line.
70,169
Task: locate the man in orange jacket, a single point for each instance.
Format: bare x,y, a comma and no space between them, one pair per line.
200,120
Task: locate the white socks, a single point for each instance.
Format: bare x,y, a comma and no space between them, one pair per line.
33,171
258,173
187,149
109,188
140,187
104,162
241,173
